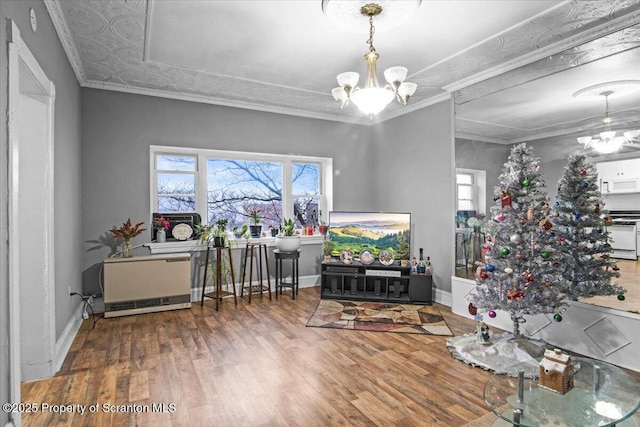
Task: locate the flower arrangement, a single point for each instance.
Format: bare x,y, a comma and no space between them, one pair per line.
127,231
160,223
476,221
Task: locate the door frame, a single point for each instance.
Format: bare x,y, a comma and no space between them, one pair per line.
21,60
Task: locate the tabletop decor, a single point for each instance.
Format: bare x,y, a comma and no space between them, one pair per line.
161,226
127,232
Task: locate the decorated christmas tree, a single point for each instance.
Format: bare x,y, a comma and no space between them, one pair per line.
579,223
518,274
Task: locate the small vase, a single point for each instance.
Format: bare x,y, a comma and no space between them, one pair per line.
127,250
161,236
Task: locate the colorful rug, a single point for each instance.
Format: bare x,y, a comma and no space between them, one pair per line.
379,317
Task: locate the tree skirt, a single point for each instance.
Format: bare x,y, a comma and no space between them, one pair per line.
379,316
503,355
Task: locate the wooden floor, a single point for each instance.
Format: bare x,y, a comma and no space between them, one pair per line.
257,364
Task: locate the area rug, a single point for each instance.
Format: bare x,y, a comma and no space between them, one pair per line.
379,317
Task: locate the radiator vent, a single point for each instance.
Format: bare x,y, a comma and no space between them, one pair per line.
145,303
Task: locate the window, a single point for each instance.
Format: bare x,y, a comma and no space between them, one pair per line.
465,185
224,184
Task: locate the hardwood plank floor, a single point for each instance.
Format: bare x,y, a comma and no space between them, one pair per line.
258,364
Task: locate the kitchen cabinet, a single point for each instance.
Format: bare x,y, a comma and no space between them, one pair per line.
620,176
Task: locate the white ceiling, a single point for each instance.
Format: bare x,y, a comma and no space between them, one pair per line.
283,56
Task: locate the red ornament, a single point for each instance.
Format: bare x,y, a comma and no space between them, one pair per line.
506,199
514,294
582,172
597,208
473,310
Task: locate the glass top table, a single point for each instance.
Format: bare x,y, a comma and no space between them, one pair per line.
603,395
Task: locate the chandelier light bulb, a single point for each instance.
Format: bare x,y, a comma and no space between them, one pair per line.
406,91
340,95
372,100
348,81
395,76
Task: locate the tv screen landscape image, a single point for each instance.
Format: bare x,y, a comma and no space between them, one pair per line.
375,231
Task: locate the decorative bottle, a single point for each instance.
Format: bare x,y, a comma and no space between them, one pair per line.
161,235
421,263
428,266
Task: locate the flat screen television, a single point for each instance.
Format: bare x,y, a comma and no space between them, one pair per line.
375,231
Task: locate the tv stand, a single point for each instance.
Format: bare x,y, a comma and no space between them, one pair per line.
374,282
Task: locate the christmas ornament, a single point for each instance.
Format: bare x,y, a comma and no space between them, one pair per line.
490,268
621,297
523,221
492,314
478,317
546,224
505,251
582,172
526,182
515,239
561,239
515,294
501,217
472,309
530,214
508,270
544,254
518,255
576,216
506,199
557,318
585,184
596,209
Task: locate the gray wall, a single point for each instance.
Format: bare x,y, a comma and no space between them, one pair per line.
118,129
46,47
413,169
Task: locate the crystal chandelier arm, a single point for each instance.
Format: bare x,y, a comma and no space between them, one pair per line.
348,81
341,96
406,91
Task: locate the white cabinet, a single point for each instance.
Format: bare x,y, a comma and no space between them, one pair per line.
620,176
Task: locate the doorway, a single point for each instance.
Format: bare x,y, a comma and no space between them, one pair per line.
31,209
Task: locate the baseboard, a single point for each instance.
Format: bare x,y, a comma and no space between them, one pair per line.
63,344
303,282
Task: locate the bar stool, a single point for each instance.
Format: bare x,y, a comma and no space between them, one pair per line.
219,293
293,284
255,249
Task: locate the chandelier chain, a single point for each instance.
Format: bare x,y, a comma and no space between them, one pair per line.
372,31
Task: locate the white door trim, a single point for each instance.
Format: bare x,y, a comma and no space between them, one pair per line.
21,60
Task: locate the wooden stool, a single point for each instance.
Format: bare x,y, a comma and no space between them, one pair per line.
219,293
293,284
248,256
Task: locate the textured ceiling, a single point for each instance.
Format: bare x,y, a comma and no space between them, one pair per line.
283,56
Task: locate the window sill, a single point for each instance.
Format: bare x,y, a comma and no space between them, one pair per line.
175,246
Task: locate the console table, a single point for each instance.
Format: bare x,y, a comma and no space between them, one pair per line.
603,395
374,282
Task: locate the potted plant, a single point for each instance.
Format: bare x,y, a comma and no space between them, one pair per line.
403,252
274,230
236,232
255,229
220,233
287,240
161,226
204,232
327,249
322,226
127,232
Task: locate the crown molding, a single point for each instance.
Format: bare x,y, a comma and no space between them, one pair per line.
64,35
118,87
608,27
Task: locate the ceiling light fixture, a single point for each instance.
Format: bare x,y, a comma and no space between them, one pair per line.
608,142
371,99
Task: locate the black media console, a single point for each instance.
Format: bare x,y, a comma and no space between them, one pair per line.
375,282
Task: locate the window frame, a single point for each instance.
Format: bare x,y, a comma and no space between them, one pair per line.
202,154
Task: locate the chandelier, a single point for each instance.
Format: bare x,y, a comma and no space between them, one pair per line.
608,142
371,99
